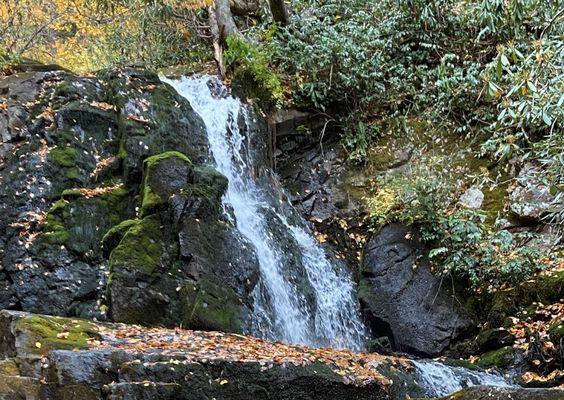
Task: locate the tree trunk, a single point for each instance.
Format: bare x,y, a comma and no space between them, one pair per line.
217,47
224,18
279,12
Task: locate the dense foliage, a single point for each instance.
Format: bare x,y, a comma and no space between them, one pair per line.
91,34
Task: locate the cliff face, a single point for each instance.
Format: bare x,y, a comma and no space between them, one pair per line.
107,207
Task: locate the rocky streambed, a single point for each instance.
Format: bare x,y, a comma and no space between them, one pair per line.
45,357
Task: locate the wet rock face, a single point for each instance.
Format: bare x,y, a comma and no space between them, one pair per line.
408,303
178,264
72,161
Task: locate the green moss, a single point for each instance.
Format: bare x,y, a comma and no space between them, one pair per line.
462,363
64,156
154,160
151,200
163,97
380,158
54,230
494,202
557,331
114,236
141,246
69,194
497,358
72,173
44,333
8,367
211,307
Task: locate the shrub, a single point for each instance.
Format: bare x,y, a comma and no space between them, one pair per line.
251,63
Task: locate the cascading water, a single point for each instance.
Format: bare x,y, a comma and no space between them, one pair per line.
302,297
438,379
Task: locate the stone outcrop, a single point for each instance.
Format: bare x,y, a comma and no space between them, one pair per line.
408,303
58,358
531,199
99,218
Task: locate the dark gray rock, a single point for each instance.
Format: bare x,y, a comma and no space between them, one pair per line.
489,393
72,152
404,298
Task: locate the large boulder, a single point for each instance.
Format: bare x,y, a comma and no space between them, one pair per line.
180,262
405,301
62,358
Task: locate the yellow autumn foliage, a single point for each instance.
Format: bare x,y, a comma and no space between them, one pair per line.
78,34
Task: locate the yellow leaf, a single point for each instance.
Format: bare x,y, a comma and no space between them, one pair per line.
223,382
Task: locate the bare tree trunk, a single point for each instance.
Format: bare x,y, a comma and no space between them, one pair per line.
217,46
224,19
279,12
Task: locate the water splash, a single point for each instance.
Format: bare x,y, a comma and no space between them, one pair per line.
439,380
301,297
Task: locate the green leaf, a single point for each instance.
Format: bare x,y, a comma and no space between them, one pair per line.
546,118
504,60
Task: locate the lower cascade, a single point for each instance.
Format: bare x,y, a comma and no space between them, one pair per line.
437,379
303,297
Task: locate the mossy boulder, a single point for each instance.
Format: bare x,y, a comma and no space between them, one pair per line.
141,246
500,358
40,334
209,306
178,255
164,175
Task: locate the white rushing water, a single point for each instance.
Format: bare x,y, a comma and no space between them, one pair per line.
439,380
301,297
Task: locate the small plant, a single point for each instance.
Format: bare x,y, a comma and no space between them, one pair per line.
251,64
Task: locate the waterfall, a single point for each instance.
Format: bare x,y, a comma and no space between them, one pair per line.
303,297
438,379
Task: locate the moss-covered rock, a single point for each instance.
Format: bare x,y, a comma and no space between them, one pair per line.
9,367
55,231
500,358
164,174
141,246
39,334
113,237
208,306
64,156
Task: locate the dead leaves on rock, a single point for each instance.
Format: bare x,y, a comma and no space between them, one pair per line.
198,346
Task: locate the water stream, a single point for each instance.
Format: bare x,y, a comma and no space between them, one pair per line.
302,297
438,379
